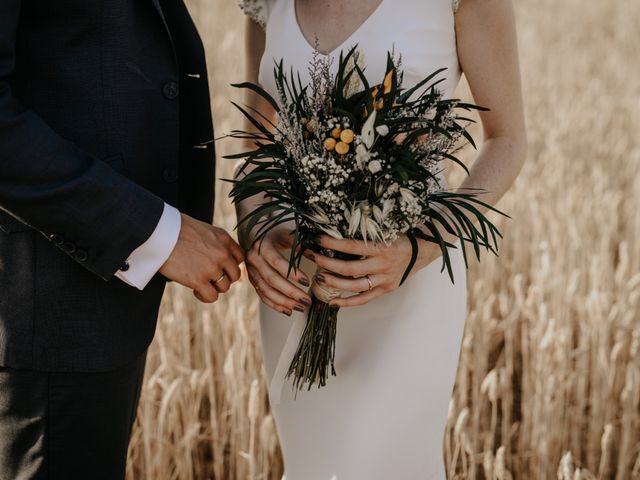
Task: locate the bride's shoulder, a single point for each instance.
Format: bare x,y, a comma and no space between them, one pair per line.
258,10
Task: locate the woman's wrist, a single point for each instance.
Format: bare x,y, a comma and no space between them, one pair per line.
429,251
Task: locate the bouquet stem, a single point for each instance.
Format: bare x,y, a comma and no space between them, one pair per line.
313,361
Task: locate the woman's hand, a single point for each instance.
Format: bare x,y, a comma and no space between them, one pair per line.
267,266
378,273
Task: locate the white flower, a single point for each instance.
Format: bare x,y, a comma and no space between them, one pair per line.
375,166
373,230
382,130
377,214
320,217
332,232
407,195
388,206
354,221
368,132
347,214
362,156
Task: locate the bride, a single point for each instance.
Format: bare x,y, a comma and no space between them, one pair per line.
383,416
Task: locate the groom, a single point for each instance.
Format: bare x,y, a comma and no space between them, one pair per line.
105,137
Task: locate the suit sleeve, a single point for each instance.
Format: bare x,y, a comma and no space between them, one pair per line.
84,207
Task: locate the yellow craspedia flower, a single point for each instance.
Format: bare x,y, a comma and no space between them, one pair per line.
342,148
374,92
379,105
335,133
388,82
330,144
347,136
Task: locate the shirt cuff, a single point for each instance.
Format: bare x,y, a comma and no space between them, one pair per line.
145,261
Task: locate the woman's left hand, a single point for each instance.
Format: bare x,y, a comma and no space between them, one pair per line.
376,274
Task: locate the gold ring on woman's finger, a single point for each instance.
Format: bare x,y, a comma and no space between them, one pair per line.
370,282
219,280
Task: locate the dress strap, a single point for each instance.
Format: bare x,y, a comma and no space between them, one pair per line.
257,10
456,4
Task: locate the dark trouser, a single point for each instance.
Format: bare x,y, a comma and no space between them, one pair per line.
67,426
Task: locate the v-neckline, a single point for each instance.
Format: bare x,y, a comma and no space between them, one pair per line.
294,11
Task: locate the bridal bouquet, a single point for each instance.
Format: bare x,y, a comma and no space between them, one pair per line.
354,160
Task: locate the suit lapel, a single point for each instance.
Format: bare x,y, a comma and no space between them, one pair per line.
158,7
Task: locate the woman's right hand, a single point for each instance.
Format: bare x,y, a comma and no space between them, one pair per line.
267,265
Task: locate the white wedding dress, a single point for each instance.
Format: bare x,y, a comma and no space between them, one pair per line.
383,416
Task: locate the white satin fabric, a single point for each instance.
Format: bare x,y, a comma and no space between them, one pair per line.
383,416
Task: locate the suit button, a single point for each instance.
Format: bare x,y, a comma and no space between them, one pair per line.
170,90
69,247
82,256
124,267
56,238
170,175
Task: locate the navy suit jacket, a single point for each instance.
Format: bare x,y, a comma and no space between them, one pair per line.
104,116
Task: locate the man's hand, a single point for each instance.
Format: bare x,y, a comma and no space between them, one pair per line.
205,259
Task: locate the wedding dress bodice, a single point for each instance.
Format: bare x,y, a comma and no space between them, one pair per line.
259,9
425,40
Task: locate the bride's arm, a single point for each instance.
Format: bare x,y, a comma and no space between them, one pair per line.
254,48
488,54
266,266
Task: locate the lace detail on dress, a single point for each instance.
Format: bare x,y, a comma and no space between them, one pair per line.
258,10
456,4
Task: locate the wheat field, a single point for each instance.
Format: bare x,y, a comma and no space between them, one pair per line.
549,379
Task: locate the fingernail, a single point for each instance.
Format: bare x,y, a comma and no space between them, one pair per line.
288,313
305,301
321,278
304,281
298,308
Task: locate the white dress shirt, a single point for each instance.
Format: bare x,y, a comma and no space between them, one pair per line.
145,261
